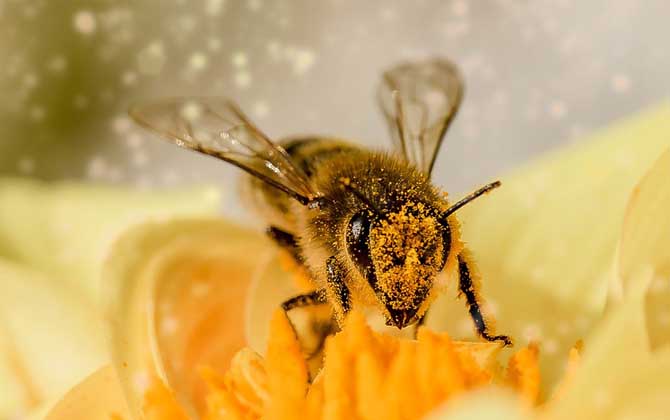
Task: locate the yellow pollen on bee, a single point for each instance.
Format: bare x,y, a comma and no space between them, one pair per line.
397,246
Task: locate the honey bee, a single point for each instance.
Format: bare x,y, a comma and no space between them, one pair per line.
368,226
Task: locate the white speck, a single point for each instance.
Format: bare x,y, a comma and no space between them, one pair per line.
140,158
550,346
140,382
30,80
214,44
26,165
198,61
254,5
169,326
242,79
471,130
129,78
620,83
563,328
456,29
37,113
134,141
214,7
200,290
213,195
460,8
84,22
106,95
97,167
144,182
151,59
191,111
261,109
602,399
388,14
114,174
121,124
302,59
663,318
274,49
187,23
464,326
532,332
57,64
80,102
239,59
557,109
659,285
170,177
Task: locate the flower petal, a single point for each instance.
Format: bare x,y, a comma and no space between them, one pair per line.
176,291
76,223
545,242
614,355
48,338
645,244
272,284
98,397
485,404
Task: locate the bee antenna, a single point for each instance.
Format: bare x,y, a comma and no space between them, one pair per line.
470,197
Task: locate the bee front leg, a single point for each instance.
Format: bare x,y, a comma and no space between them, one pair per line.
286,241
315,297
419,324
321,329
467,286
335,284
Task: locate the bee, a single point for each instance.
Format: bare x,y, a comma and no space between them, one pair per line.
369,227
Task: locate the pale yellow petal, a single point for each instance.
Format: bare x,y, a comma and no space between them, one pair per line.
546,240
645,244
614,354
50,338
176,293
65,229
486,404
271,285
99,397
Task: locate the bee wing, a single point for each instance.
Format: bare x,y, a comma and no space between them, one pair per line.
419,101
218,128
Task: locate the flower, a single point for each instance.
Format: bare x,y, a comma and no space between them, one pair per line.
53,237
557,264
365,375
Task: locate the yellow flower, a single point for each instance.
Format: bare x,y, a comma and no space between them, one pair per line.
566,252
365,375
53,237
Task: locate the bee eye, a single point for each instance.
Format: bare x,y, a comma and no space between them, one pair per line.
358,232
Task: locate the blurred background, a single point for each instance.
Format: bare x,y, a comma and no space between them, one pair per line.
538,74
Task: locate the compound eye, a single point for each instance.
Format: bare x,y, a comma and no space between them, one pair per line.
358,232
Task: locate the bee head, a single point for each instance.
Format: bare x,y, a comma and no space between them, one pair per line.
399,253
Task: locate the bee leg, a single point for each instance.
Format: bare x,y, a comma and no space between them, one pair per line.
468,287
335,284
286,241
315,297
419,324
321,329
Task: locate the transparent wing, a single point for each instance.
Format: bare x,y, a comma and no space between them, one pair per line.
217,127
419,101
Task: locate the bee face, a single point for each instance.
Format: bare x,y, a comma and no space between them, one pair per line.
399,253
